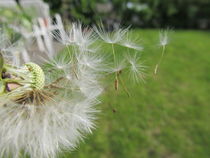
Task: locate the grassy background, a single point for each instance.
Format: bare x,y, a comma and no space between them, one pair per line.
168,116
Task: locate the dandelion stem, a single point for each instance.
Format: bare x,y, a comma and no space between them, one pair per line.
113,51
160,60
116,73
116,84
124,86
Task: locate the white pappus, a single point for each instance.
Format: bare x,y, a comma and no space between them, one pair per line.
48,108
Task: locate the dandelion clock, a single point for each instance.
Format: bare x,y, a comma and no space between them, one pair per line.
47,107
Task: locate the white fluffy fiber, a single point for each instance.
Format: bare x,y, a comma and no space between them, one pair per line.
42,131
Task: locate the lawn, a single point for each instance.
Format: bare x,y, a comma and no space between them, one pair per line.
168,116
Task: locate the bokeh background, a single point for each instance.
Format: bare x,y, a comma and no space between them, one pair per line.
183,14
168,116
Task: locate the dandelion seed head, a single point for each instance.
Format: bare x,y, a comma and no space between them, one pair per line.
49,107
41,119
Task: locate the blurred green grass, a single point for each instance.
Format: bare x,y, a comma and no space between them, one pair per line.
166,117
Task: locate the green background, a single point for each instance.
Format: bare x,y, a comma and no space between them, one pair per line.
168,115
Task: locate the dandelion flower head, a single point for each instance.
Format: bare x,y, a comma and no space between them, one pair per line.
49,107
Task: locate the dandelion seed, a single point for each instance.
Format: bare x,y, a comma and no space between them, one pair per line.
92,61
164,40
77,36
136,68
118,66
163,36
112,37
131,43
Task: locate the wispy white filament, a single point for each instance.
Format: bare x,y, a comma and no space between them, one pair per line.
113,37
163,37
72,88
42,131
136,68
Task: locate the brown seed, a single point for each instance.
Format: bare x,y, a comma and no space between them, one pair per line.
116,84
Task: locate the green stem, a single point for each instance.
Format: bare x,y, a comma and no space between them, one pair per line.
160,60
113,51
116,73
124,87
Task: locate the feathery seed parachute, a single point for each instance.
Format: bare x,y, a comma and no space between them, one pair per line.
46,108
